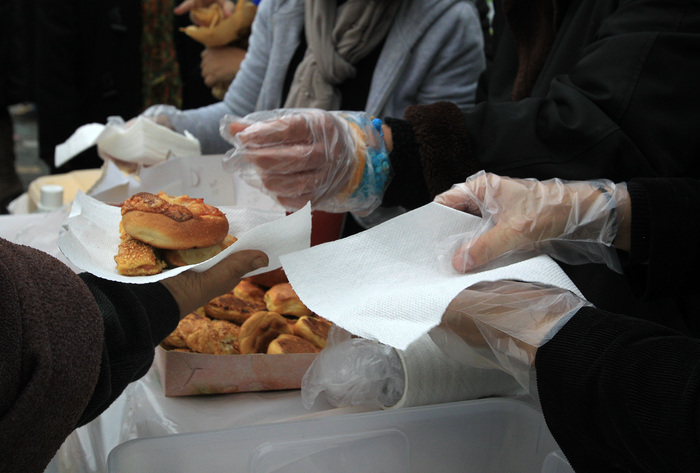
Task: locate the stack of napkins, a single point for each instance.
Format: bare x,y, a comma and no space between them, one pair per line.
139,141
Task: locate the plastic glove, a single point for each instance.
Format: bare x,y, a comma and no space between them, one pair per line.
501,324
354,372
572,221
336,160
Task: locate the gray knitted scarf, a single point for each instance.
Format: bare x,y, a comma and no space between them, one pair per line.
337,38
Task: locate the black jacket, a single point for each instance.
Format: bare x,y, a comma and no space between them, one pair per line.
577,89
619,393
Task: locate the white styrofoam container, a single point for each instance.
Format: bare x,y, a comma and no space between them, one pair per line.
482,436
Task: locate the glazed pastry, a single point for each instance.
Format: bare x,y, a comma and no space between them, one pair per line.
285,344
217,337
260,329
282,299
189,324
175,223
313,329
232,308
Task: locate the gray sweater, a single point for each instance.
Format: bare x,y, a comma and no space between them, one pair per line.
433,52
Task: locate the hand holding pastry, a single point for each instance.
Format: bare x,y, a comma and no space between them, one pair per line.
192,290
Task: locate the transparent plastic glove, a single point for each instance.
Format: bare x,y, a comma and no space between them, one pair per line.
161,114
336,160
572,221
501,324
354,372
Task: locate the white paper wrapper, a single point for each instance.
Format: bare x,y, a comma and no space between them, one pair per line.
90,238
140,141
390,284
433,378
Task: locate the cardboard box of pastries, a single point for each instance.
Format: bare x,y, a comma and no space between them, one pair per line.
255,338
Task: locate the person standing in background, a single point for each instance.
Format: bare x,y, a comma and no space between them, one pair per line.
15,87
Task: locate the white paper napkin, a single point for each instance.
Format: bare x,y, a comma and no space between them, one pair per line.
141,141
389,284
90,238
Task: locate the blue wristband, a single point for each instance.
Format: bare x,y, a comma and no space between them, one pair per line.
377,170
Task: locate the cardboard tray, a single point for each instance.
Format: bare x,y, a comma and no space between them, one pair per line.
191,374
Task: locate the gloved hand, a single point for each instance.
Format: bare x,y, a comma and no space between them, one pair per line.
501,324
572,221
336,160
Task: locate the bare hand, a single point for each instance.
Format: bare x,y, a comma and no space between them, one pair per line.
192,289
188,5
220,65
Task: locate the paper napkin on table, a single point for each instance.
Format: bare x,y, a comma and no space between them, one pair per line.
140,141
389,284
90,238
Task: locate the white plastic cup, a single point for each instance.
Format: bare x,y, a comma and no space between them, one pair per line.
51,198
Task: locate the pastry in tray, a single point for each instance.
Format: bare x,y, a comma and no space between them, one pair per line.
282,299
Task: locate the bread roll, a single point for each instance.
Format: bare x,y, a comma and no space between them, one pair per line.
174,223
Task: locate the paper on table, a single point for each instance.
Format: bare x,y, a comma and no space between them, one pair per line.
388,283
142,141
90,237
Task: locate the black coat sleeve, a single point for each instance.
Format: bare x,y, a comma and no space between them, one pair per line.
137,317
622,394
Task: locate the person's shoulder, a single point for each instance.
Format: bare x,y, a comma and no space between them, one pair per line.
429,11
280,6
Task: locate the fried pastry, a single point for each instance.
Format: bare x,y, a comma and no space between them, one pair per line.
135,258
217,337
285,344
282,299
189,324
249,291
260,329
313,329
230,307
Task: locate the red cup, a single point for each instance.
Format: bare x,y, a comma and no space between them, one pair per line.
326,226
